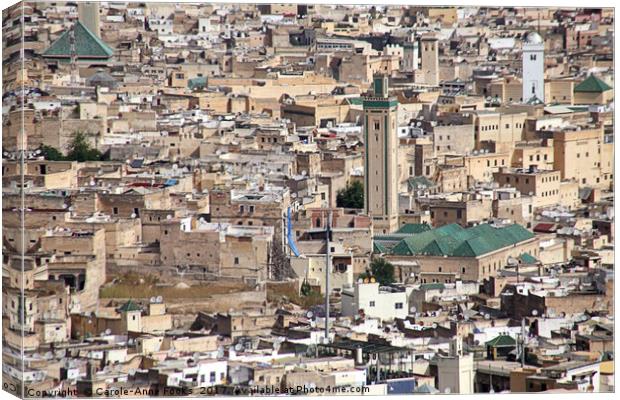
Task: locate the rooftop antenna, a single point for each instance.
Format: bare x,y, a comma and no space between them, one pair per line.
73,56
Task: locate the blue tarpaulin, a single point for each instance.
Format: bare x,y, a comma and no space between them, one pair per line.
401,386
289,235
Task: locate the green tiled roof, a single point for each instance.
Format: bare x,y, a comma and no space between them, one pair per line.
378,248
527,258
87,45
387,103
198,82
502,340
129,306
432,286
355,101
414,228
592,84
455,241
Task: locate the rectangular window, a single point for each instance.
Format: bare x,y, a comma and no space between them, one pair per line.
372,303
398,306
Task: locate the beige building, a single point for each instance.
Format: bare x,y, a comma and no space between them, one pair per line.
543,186
481,164
464,212
583,155
504,127
217,249
537,154
510,204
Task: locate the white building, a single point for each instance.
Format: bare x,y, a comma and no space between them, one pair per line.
382,302
205,373
585,374
456,372
533,68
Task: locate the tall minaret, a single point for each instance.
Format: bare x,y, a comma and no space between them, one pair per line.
533,68
429,46
88,15
381,163
410,55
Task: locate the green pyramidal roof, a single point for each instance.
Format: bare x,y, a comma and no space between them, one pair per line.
87,45
592,84
502,340
414,228
129,306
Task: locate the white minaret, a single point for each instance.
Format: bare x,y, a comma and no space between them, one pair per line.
410,56
533,67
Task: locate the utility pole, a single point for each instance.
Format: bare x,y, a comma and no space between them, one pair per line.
522,342
327,270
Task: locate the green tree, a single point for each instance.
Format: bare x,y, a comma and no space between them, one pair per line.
352,196
51,153
382,270
305,288
80,150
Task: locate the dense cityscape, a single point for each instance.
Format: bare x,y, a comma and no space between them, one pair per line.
306,199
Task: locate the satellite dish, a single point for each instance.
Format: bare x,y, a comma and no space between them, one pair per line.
534,312
168,216
309,314
160,299
133,215
413,309
372,279
153,299
108,331
487,316
360,280
435,325
238,347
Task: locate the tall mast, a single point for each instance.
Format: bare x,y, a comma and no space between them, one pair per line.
327,271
